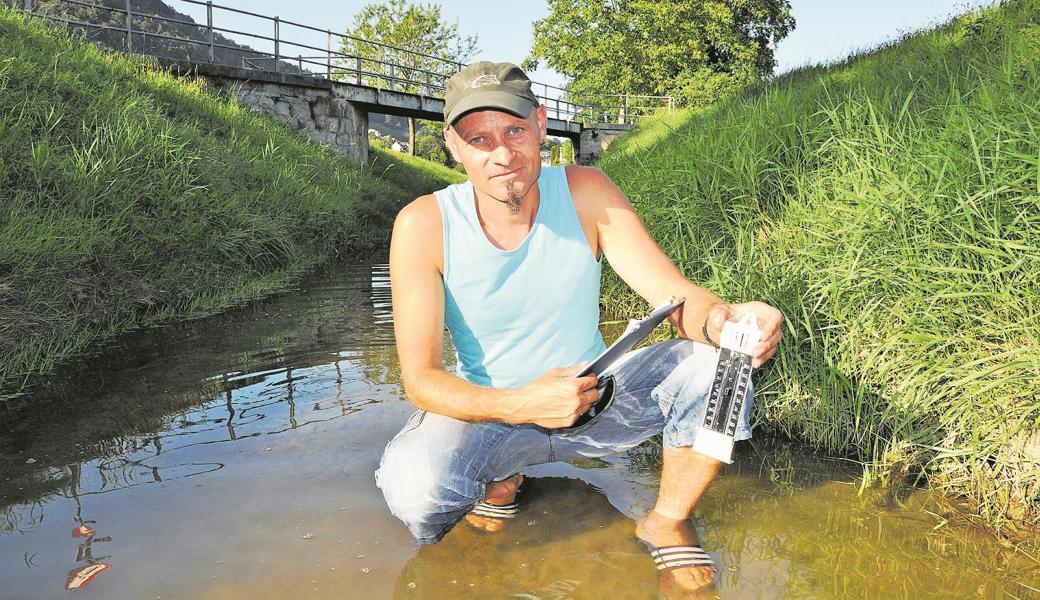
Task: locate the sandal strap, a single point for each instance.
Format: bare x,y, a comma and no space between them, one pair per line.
504,511
677,557
500,511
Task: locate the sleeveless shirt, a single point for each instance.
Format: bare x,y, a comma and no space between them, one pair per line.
514,314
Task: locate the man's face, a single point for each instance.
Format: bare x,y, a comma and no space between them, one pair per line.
499,151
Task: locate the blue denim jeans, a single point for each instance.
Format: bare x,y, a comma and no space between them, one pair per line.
437,468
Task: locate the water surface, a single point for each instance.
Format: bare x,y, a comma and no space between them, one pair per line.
232,457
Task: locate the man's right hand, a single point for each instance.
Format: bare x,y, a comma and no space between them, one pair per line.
554,400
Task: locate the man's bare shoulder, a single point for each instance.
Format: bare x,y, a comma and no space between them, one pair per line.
418,228
593,191
419,214
582,179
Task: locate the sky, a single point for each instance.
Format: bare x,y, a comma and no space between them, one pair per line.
825,30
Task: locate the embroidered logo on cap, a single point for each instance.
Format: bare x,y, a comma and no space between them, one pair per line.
482,80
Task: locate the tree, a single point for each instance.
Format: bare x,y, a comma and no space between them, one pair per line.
432,147
382,141
423,50
567,152
694,50
429,143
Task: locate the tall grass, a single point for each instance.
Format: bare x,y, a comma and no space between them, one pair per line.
890,207
129,197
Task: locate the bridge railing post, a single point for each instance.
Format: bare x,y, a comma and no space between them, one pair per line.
328,56
277,50
358,71
209,26
129,30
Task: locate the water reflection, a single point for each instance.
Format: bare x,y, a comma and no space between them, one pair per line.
273,367
88,566
232,457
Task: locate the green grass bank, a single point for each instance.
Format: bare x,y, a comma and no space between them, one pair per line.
129,197
890,206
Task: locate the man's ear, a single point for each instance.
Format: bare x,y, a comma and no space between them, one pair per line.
451,141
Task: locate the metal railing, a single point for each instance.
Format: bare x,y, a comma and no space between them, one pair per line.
344,58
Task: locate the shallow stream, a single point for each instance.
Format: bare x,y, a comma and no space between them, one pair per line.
232,457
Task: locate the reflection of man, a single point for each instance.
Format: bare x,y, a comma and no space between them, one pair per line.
509,261
83,575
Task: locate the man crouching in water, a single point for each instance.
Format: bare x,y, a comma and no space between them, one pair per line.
509,262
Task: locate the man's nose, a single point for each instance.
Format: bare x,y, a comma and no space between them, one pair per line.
502,154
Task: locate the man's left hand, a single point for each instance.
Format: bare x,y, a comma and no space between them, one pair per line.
769,322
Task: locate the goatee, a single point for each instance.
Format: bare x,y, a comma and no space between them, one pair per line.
515,199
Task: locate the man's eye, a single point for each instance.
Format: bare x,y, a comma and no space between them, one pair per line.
516,130
477,141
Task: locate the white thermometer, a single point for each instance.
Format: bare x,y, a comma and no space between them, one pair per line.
728,389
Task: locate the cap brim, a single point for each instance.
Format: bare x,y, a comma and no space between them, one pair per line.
504,101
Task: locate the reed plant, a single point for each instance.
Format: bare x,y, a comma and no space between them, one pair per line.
889,205
130,197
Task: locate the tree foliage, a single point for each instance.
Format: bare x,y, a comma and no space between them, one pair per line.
421,43
405,47
567,152
694,50
431,147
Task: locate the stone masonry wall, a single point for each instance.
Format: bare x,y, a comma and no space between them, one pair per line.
596,139
322,114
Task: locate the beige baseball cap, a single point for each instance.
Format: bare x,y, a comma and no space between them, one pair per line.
488,85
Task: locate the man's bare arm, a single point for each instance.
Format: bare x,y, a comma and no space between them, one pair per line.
640,262
416,254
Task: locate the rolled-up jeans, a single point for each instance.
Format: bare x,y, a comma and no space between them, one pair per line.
436,469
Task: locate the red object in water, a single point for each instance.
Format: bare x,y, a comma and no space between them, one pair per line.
83,531
82,576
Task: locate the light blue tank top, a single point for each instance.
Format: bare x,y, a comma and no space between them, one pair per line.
514,314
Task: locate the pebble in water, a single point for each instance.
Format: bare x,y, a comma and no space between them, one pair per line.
366,570
308,536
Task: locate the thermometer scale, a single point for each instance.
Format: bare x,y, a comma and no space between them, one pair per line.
728,389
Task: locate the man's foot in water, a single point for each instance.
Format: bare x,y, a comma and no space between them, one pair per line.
499,493
657,531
